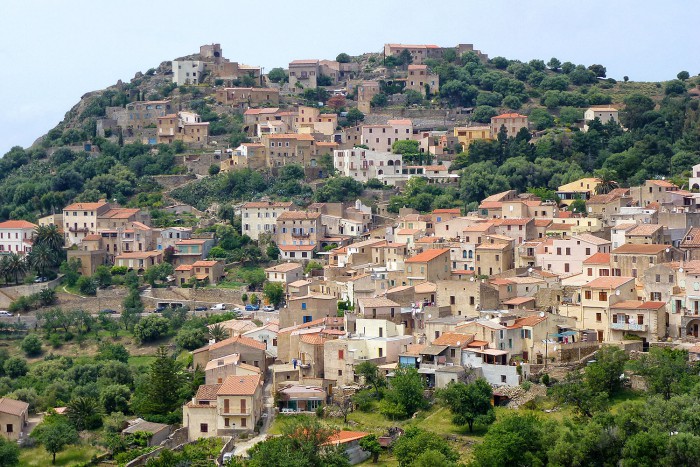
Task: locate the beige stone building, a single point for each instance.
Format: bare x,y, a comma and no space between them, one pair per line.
300,230
13,418
246,156
308,308
422,80
187,127
219,369
80,220
237,407
290,148
244,98
250,351
285,273
513,123
431,265
259,217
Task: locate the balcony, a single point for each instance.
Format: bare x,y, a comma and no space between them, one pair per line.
628,327
78,229
300,235
235,412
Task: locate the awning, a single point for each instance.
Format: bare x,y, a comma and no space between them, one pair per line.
433,350
494,352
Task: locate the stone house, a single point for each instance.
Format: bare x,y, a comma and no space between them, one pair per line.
250,351
13,418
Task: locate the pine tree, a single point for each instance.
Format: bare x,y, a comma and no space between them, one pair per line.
161,390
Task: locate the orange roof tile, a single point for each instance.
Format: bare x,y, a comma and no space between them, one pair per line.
244,385
428,255
453,339
598,258
84,206
639,305
631,248
313,339
509,115
207,392
17,225
344,436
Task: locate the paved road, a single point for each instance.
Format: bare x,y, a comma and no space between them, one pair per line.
241,449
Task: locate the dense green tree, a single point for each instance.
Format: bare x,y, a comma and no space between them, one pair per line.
55,433
115,398
159,393
416,441
371,375
599,70
553,64
515,439
666,371
405,394
683,75
15,367
277,75
151,328
469,403
370,444
339,189
31,345
274,292
132,307
354,116
9,453
343,58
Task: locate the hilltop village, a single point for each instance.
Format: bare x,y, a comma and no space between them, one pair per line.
421,232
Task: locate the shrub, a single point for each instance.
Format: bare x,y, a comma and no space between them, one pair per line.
31,345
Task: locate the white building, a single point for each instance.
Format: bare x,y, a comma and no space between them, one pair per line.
364,164
261,217
382,137
694,180
604,114
16,237
187,71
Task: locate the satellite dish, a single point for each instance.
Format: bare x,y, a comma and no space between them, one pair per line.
541,314
680,269
617,292
529,269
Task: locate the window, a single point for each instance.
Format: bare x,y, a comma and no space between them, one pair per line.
226,406
588,251
658,278
303,305
341,354
226,421
204,427
10,428
306,319
602,296
453,353
243,422
587,294
568,251
640,319
599,317
340,372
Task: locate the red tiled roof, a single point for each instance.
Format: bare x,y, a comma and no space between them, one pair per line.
428,255
17,225
84,206
509,115
598,258
246,341
638,305
207,392
244,385
631,248
453,339
344,436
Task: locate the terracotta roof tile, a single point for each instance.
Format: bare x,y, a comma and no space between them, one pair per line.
17,225
207,392
453,339
608,282
428,255
598,258
244,385
631,248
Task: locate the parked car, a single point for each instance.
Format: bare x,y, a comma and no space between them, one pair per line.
218,306
5,313
39,280
268,308
250,307
200,308
109,311
159,309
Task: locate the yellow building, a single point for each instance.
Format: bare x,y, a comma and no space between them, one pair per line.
583,189
466,135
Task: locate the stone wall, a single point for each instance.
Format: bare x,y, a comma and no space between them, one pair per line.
576,351
201,296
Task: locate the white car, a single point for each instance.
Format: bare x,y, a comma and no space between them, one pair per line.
5,313
218,306
268,308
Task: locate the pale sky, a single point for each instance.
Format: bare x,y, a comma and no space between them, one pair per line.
53,51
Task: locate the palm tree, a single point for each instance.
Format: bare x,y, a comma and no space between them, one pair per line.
16,266
5,268
49,235
83,412
607,181
41,258
217,332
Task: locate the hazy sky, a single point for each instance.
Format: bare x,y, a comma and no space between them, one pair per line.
56,51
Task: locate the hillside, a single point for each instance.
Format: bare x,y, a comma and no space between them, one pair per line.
662,141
